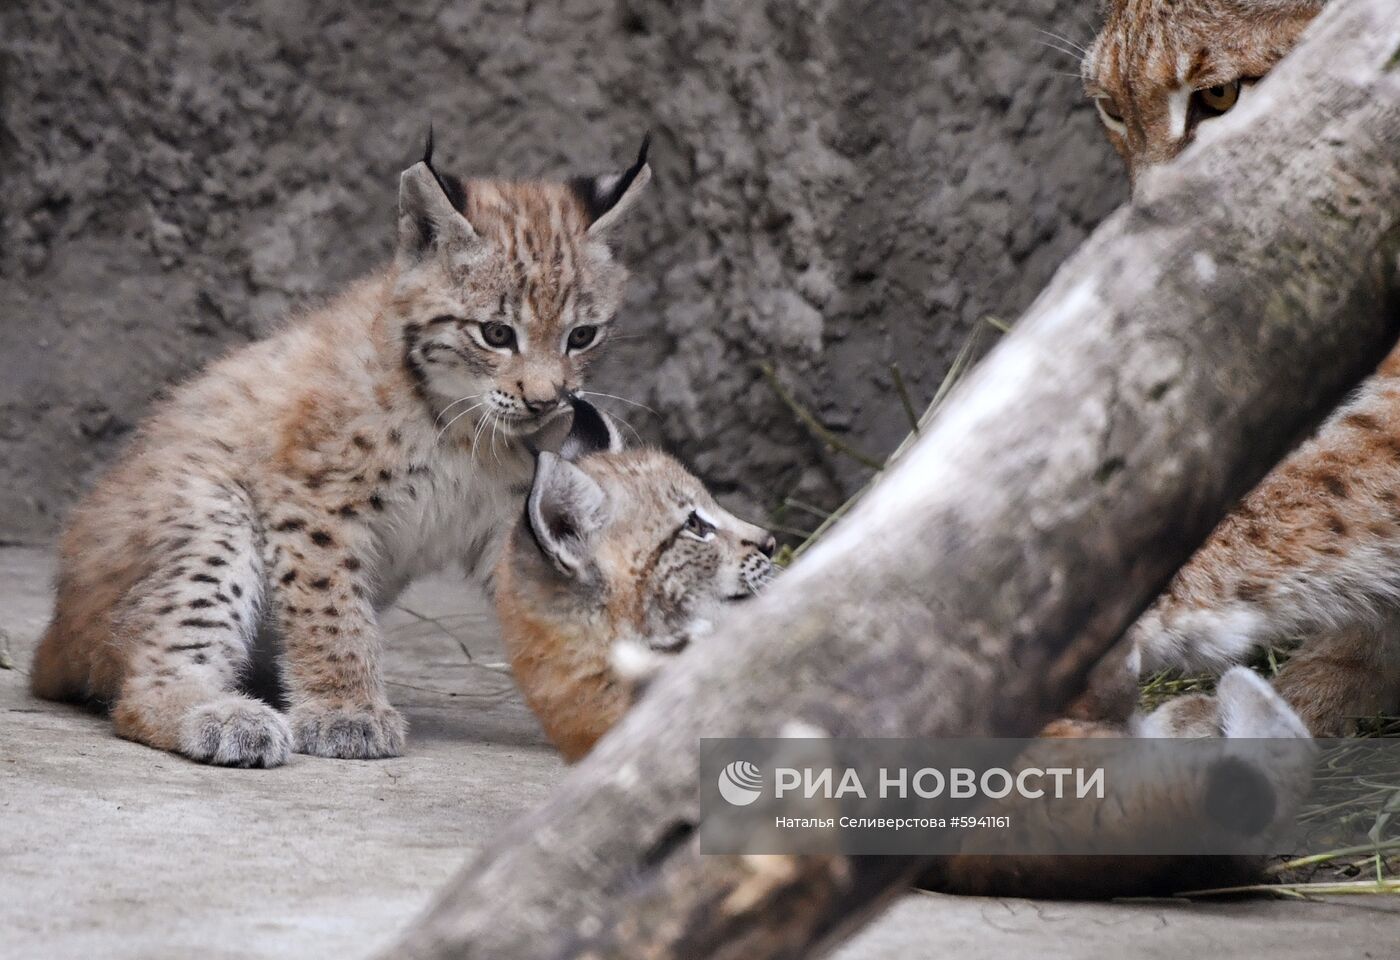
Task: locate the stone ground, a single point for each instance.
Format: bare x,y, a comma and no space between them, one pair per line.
111,849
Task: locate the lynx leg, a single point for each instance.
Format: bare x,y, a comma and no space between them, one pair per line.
1111,691
331,642
1339,677
186,631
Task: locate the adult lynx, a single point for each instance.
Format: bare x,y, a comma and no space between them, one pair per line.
1313,552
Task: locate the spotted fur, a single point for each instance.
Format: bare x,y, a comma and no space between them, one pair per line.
1313,555
300,483
619,547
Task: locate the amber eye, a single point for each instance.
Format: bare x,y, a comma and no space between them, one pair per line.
1220,98
581,337
698,527
1111,116
498,335
1109,109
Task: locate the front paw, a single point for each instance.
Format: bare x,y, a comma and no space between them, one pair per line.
235,732
349,732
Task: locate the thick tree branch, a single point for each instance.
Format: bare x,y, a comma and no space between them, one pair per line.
1170,362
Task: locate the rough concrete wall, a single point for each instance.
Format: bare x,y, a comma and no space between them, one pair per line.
840,184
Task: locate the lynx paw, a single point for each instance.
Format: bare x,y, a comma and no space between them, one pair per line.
350,732
236,732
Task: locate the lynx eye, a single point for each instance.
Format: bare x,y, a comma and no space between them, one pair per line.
1111,115
582,337
1219,98
498,335
698,527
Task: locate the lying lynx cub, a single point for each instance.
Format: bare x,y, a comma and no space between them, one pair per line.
1244,706
618,552
303,481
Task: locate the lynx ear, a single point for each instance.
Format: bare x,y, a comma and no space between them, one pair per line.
607,198
592,431
429,210
565,509
1250,707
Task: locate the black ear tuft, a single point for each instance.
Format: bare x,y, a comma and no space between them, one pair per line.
591,432
630,174
600,194
451,186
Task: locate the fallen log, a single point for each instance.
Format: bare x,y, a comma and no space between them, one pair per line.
1170,362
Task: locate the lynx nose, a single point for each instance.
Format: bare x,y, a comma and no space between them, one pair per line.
538,405
767,546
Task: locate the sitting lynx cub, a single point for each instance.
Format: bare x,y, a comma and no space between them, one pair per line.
303,481
615,547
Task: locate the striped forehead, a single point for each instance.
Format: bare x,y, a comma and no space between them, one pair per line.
537,219
1141,55
653,473
1158,44
540,230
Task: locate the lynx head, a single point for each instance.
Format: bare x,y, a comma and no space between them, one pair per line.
504,291
1158,69
632,537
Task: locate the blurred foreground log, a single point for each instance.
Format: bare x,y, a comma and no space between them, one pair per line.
1167,366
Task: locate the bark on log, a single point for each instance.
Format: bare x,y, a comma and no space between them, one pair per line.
1169,363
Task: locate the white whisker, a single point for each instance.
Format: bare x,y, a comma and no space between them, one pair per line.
594,393
1088,25
459,416
629,426
481,425
1065,40
1079,58
453,404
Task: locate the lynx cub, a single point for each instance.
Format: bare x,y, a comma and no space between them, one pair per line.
1244,706
615,548
300,483
1314,550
